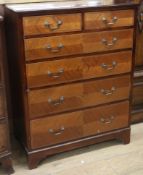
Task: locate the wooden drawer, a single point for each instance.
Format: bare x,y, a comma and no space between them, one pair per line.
49,47
1,74
65,127
47,24
108,19
138,95
79,95
86,67
3,136
2,103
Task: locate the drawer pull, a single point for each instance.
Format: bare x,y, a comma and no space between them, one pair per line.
57,132
109,44
56,49
51,27
107,120
56,74
108,92
109,67
56,102
107,23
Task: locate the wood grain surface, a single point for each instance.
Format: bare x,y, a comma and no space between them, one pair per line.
67,70
66,127
45,24
3,138
49,47
94,20
79,95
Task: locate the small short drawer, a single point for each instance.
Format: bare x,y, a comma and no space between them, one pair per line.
47,24
66,127
86,67
79,95
108,19
3,136
64,45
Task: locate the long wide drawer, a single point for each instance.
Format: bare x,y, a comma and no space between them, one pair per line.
49,47
79,95
61,128
108,19
45,24
79,68
3,136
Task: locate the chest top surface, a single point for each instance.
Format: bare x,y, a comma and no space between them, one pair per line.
70,4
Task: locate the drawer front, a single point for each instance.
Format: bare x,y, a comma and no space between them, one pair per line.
79,95
3,136
65,127
108,19
48,24
49,47
2,103
137,95
0,74
67,70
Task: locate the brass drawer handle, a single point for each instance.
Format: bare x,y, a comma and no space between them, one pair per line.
107,23
57,132
107,120
56,49
56,102
56,74
109,67
108,92
109,44
51,27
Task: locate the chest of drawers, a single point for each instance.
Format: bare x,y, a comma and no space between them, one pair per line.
5,152
71,73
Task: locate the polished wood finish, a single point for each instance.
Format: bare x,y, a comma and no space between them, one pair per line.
2,103
81,5
38,48
36,25
3,138
137,94
5,152
137,113
120,134
82,124
69,97
41,105
108,19
65,70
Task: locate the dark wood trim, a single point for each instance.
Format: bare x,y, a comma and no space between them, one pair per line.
34,157
137,110
6,162
5,157
137,114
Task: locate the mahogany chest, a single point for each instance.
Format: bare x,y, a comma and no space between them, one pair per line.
71,66
5,152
